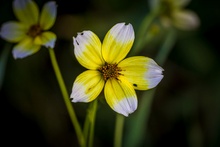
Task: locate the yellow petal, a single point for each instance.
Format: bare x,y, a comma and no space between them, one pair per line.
26,11
142,72
87,86
185,19
25,48
87,49
120,96
48,15
117,43
46,39
13,31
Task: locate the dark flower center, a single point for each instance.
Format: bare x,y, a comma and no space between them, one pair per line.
110,71
34,31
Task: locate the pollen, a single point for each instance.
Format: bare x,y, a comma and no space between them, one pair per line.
110,71
34,31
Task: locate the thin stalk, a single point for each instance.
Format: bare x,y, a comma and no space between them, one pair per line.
3,61
92,123
142,32
69,106
166,47
136,134
119,125
89,125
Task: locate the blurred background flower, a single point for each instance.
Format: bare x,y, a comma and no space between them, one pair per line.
185,110
30,31
172,13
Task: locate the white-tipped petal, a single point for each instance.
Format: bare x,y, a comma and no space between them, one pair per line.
46,39
48,15
117,43
13,31
25,48
153,74
142,72
120,96
87,86
26,11
87,49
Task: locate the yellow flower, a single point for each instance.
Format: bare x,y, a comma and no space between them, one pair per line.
172,13
30,31
108,69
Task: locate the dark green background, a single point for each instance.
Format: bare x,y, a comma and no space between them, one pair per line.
185,110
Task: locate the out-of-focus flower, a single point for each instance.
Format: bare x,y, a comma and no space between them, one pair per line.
30,31
108,69
172,13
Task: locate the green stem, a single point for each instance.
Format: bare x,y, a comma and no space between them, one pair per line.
92,127
89,125
3,61
135,136
66,98
137,124
119,125
142,32
166,47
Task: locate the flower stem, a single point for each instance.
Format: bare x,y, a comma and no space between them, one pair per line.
136,134
66,98
92,127
3,61
166,47
119,125
142,32
89,125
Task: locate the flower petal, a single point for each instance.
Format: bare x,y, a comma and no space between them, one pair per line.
186,20
13,31
47,39
87,49
48,15
25,48
26,11
117,43
142,72
120,96
87,86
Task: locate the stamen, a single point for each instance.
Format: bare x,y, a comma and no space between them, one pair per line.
110,71
34,31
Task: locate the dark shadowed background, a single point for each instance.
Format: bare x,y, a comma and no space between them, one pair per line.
186,108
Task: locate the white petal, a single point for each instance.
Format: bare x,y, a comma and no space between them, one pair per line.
48,15
117,43
154,74
25,48
46,39
87,49
87,86
142,72
13,31
120,96
26,11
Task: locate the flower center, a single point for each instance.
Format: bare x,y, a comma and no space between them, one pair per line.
34,31
110,71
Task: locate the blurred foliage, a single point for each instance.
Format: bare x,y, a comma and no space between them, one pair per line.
185,111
